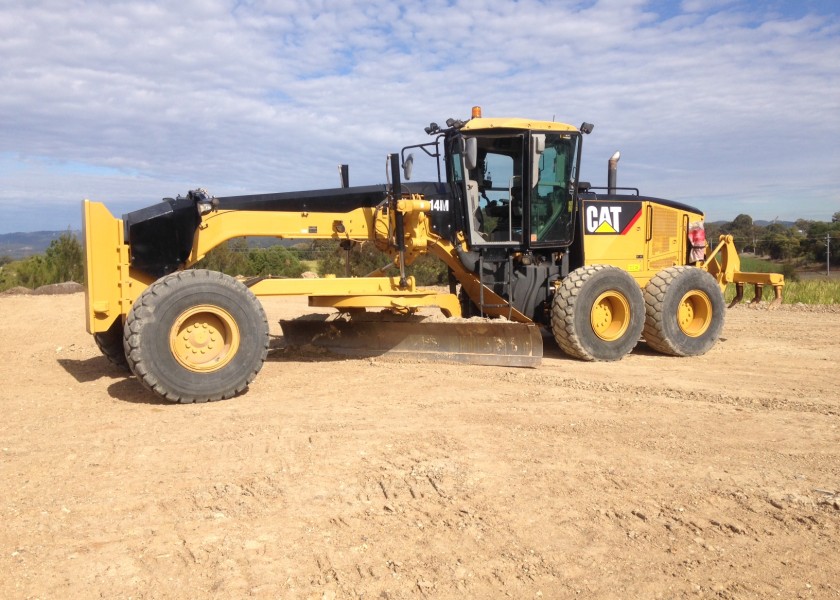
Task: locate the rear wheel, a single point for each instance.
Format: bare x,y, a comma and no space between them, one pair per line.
684,311
110,343
597,313
196,336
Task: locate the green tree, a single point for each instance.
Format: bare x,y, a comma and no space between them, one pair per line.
428,270
277,261
814,240
364,258
33,272
742,230
713,231
780,242
230,258
64,259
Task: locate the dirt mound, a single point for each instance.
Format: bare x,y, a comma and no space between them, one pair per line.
16,291
69,287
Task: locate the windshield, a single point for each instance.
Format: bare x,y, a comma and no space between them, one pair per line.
495,190
552,197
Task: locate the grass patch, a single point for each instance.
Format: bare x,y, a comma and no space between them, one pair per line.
812,291
753,264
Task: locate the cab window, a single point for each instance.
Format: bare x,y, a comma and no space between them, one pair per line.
552,196
494,190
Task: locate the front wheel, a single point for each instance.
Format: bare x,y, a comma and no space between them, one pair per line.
110,343
468,307
597,313
684,311
196,336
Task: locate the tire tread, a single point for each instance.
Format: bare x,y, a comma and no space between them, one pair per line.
564,309
110,344
143,312
656,328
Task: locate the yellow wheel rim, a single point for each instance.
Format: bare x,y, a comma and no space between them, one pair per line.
694,313
610,316
204,338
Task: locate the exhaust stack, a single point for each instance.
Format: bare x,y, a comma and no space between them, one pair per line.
612,172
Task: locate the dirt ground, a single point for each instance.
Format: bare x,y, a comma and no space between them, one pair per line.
654,477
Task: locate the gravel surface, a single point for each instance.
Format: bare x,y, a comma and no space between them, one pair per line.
653,477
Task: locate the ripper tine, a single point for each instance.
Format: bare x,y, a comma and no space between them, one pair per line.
777,301
759,293
739,295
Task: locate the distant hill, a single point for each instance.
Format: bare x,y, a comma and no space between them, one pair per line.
21,245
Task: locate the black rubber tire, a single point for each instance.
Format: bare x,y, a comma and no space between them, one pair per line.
110,343
468,307
664,295
572,309
148,338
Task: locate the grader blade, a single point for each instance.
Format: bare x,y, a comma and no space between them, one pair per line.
475,342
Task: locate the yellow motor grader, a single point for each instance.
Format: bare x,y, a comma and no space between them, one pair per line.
527,246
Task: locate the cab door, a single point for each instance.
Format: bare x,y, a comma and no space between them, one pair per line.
552,196
494,189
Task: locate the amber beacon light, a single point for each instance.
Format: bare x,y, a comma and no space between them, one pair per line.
476,112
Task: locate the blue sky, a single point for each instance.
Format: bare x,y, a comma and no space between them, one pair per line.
732,106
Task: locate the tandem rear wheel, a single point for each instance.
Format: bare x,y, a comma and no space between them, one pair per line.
597,313
684,311
196,336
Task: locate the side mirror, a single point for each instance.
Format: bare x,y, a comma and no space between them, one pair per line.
471,153
514,184
408,165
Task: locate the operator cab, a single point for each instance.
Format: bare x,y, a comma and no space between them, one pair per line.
512,186
518,185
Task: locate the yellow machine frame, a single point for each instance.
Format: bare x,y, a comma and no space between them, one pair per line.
113,285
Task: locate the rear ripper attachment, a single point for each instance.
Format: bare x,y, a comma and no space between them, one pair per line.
724,264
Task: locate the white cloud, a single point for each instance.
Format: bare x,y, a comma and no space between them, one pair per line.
694,6
720,104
